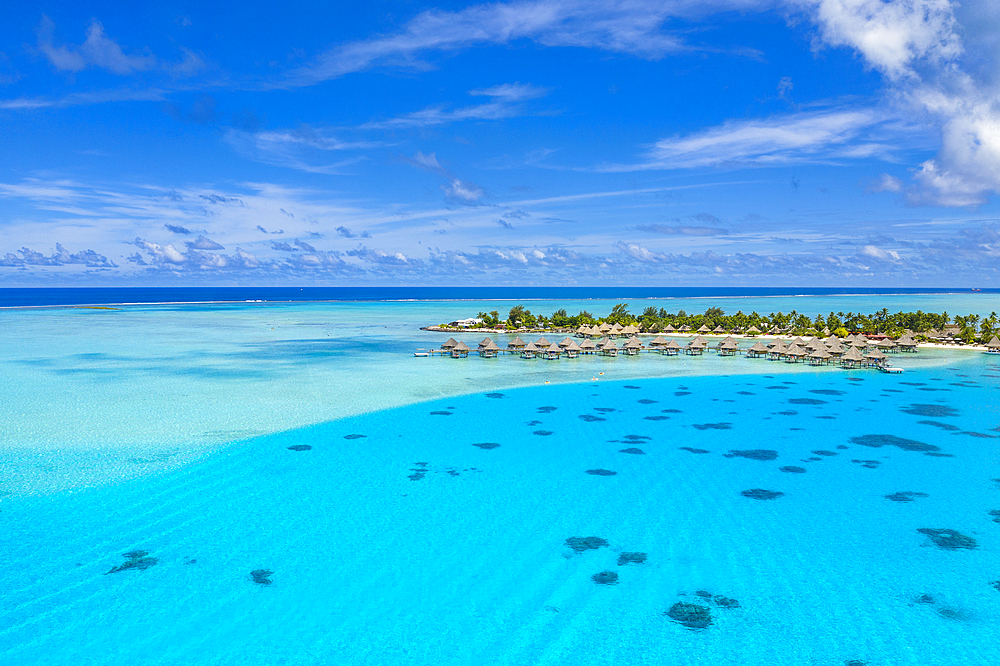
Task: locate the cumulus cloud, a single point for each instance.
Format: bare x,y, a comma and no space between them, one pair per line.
383,258
202,243
917,45
455,189
61,257
886,183
97,51
347,233
873,252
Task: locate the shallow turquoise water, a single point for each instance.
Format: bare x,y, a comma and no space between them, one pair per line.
378,559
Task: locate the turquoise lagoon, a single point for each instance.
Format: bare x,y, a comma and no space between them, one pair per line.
428,522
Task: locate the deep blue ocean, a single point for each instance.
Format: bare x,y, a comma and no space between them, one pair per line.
42,296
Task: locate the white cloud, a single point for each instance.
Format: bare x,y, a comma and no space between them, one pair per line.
291,148
886,183
97,51
506,103
917,45
635,27
874,252
813,136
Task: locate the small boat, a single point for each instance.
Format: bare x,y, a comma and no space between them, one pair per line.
890,370
421,353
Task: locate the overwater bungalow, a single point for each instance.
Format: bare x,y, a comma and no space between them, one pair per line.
888,345
835,347
852,358
450,343
566,342
758,350
794,353
633,346
553,352
588,347
908,344
516,344
819,357
776,350
530,350
485,342
657,342
728,347
460,350
704,329
669,328
582,330
630,330
718,330
993,346
696,347
542,343
489,350
671,348
604,328
572,350
874,358
608,348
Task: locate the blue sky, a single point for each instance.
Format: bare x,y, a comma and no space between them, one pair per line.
537,142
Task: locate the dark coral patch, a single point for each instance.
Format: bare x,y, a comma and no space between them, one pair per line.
855,379
299,447
878,441
637,438
688,448
262,576
937,454
486,445
582,544
647,401
692,616
745,393
842,447
870,464
547,409
605,578
601,472
949,539
725,602
813,458
713,426
925,599
681,393
827,392
855,662
542,433
790,412
704,594
495,395
822,452
761,494
905,496
995,585
806,401
658,417
777,387
995,514
355,436
629,386
534,423
670,411
792,469
980,435
918,409
590,418
135,559
753,454
828,418
631,558
441,413
635,451
604,410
